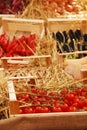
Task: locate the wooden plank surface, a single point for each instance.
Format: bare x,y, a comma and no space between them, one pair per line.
56,24
55,121
13,25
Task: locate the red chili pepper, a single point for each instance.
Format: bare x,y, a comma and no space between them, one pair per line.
22,49
1,52
4,41
22,38
16,3
31,41
12,45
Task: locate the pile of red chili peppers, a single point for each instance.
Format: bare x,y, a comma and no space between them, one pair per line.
23,46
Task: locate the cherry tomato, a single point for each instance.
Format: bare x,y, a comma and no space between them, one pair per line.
41,92
56,109
40,99
64,92
35,98
20,111
70,97
47,97
84,89
56,103
45,110
81,104
65,107
79,91
38,109
28,110
72,109
34,90
26,97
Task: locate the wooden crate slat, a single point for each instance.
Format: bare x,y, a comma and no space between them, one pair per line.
13,25
23,60
20,77
57,24
27,57
71,53
6,16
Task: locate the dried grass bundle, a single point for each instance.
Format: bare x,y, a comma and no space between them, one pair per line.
3,95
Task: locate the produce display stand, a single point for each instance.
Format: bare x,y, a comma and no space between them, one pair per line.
15,27
42,121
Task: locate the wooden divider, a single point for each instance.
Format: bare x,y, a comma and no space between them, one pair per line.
13,25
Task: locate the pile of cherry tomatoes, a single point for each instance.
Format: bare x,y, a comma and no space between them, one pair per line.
33,100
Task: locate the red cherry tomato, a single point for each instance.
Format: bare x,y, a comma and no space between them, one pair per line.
72,109
38,109
26,97
56,109
34,90
70,97
65,107
45,110
28,110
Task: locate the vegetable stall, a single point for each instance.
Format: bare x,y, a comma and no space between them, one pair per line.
41,47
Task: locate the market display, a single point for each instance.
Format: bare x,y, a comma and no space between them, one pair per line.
36,97
31,61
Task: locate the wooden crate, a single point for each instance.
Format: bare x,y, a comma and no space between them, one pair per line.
42,121
55,121
12,26
15,67
23,60
65,24
61,24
